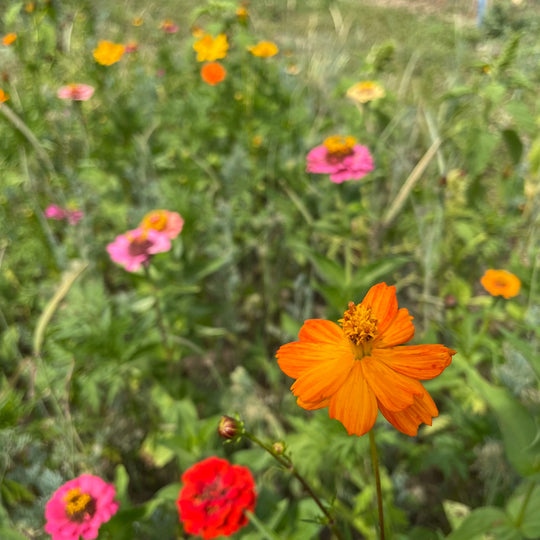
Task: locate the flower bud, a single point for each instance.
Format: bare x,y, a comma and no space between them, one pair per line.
278,447
228,427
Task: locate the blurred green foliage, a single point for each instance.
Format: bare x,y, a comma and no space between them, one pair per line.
264,247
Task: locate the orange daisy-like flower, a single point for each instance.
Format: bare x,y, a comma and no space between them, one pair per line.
4,96
264,49
108,53
8,39
209,48
363,367
213,73
501,283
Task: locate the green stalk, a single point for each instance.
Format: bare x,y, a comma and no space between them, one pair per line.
375,464
287,463
526,500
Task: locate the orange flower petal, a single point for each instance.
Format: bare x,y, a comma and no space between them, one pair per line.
312,405
324,378
417,361
395,391
354,404
420,412
321,331
383,302
296,358
400,331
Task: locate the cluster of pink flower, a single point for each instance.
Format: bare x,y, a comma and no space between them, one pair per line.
153,235
53,211
213,501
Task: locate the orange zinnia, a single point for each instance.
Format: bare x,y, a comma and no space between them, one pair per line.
213,73
361,367
501,283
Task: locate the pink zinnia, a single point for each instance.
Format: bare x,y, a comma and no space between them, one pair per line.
341,158
136,247
53,211
76,92
169,27
168,223
79,507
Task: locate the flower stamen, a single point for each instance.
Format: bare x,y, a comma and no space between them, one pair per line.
339,146
79,505
358,324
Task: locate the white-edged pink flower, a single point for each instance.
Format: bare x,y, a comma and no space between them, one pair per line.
79,507
136,247
341,158
76,92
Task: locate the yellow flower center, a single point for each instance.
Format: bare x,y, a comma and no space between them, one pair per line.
79,505
360,327
155,220
339,146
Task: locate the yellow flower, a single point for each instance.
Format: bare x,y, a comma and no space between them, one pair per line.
365,91
209,48
137,21
264,49
3,96
197,32
108,53
30,7
501,283
242,13
8,39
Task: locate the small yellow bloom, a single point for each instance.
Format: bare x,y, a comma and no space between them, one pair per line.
30,7
264,49
8,39
365,91
242,13
108,53
3,96
197,32
209,48
137,21
501,283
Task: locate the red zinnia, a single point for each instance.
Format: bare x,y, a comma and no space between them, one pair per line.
215,497
213,73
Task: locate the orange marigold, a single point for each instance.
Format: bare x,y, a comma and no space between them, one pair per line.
8,39
108,53
501,283
213,73
363,367
4,96
264,49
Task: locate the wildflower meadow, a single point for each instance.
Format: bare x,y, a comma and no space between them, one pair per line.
270,270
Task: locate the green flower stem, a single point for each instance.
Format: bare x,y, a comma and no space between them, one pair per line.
159,317
375,463
287,463
526,500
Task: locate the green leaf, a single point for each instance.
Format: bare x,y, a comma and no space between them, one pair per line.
514,145
523,508
478,523
7,533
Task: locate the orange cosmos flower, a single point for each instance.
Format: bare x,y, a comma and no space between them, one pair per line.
501,283
108,53
264,49
209,48
8,39
363,367
3,96
213,73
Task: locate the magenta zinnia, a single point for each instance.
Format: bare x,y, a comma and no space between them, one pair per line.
135,248
215,497
79,507
341,158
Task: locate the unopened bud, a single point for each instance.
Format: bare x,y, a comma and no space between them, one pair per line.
228,427
278,447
